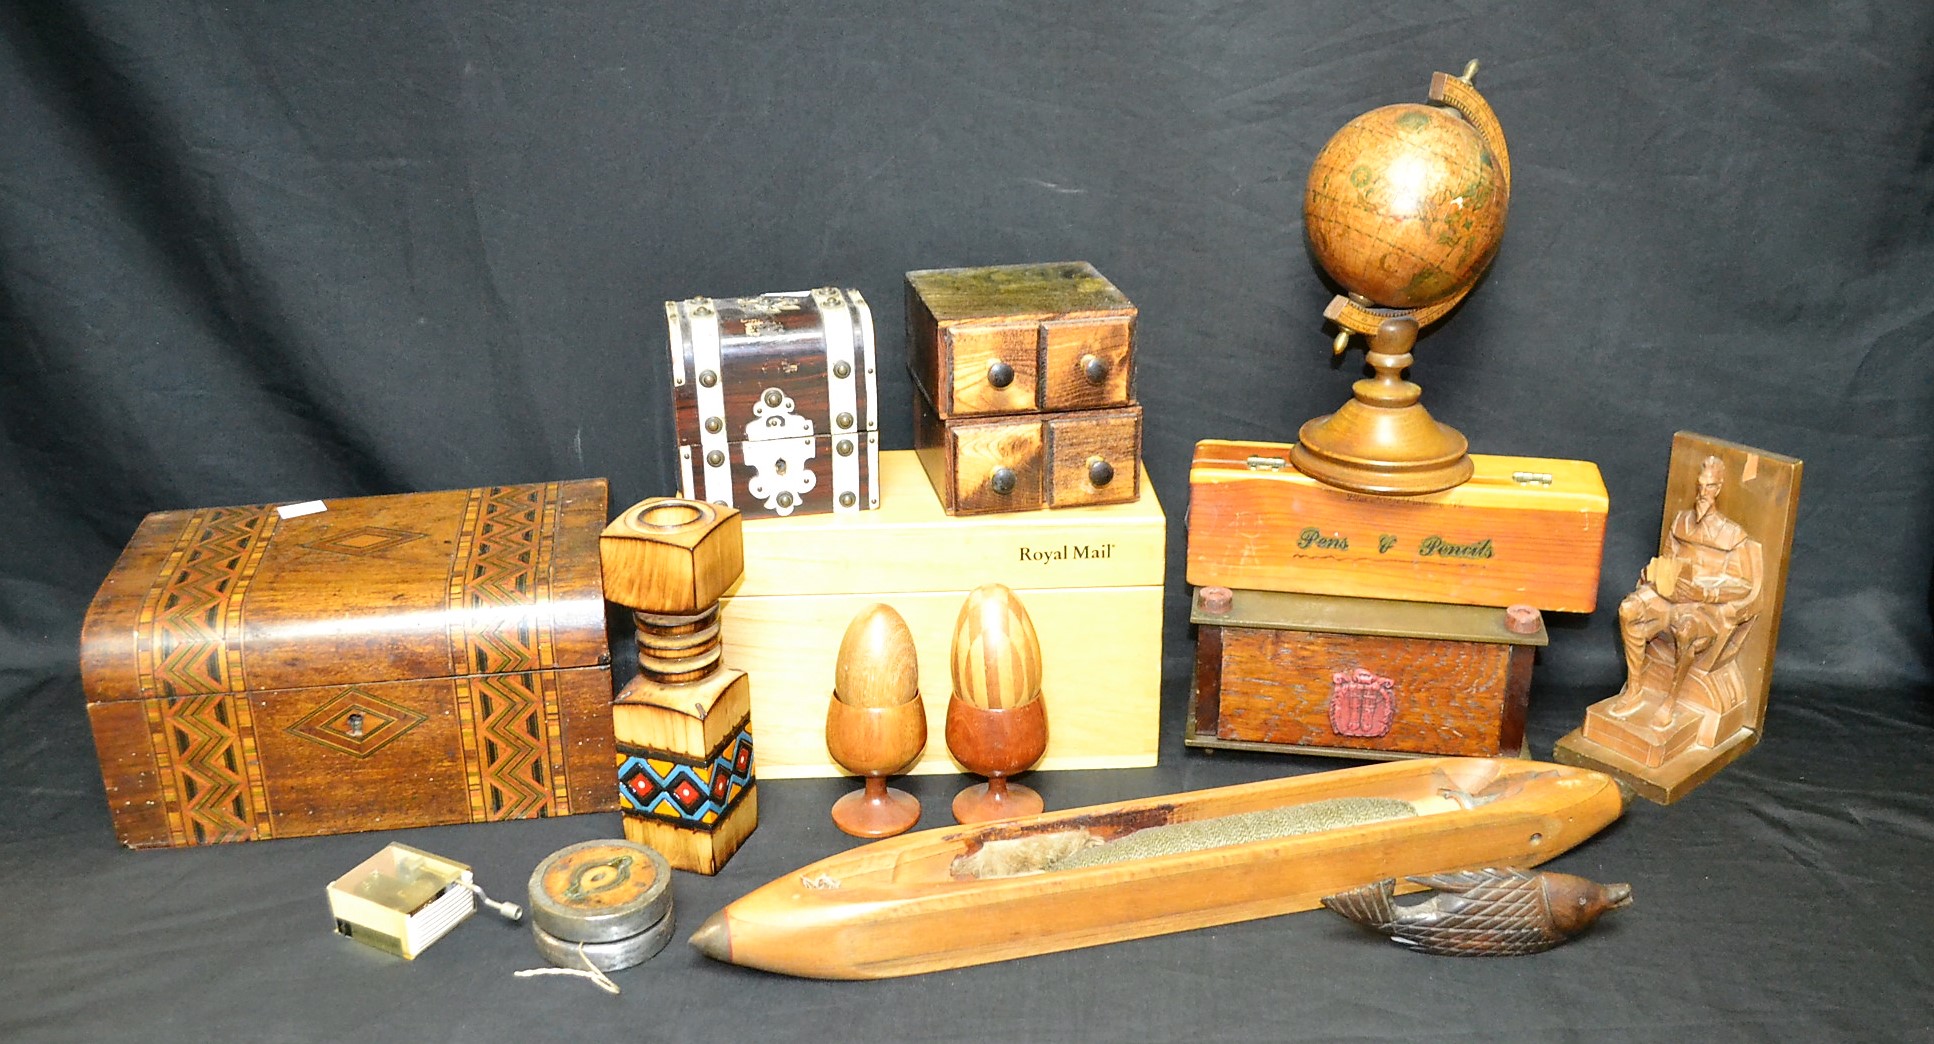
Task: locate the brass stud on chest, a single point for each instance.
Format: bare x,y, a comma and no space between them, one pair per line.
708,378
774,397
715,458
714,425
842,369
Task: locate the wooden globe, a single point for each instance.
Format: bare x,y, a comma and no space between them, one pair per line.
1405,205
1405,208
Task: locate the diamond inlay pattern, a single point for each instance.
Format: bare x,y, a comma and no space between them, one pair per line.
356,723
364,540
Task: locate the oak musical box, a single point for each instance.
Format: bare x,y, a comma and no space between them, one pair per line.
358,664
1359,677
775,403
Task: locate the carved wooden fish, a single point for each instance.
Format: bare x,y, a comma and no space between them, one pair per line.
1498,912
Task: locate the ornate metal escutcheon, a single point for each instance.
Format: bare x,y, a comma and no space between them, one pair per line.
778,444
1362,702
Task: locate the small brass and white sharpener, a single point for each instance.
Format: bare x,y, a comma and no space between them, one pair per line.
403,899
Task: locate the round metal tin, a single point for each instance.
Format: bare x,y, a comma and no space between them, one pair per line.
600,891
604,956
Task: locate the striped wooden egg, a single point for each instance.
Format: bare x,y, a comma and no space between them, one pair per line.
877,666
996,657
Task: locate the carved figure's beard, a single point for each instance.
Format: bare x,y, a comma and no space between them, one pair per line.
1702,506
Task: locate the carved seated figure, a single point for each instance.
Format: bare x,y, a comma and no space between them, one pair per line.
1682,631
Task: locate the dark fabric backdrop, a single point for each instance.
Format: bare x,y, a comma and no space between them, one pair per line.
276,251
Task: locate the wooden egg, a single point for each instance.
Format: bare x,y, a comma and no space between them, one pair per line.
996,656
877,666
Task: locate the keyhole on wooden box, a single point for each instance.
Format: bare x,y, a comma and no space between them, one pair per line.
355,724
779,466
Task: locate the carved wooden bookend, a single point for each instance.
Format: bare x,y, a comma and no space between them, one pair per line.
684,724
877,724
1699,631
1405,209
1498,912
997,722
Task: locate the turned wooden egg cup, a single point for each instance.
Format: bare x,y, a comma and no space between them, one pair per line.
876,742
996,742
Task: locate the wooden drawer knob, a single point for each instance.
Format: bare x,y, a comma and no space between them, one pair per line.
1003,481
1000,374
1100,472
1095,369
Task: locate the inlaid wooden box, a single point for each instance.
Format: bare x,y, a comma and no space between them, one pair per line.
775,401
1523,530
1020,339
979,465
1359,677
358,664
1091,581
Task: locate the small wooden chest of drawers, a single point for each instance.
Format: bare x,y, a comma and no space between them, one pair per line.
1025,377
1020,339
1074,459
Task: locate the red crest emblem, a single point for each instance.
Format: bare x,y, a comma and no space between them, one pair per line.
1362,703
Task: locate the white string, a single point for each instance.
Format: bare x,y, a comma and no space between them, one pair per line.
596,975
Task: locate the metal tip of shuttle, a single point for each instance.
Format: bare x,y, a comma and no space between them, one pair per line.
712,939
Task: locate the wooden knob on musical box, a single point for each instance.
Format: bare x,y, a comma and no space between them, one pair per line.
876,725
997,723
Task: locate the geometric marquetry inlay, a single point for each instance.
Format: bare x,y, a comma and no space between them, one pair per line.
356,723
364,540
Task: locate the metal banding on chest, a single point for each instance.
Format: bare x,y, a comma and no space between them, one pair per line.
842,399
700,321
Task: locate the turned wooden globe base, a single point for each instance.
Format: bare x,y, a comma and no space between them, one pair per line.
1383,441
877,811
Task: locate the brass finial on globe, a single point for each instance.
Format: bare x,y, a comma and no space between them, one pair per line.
1405,209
